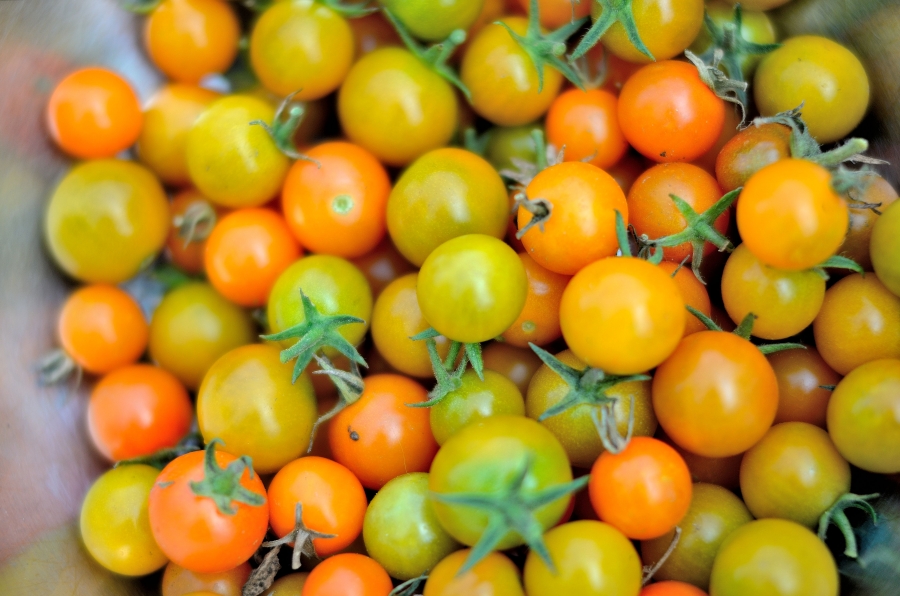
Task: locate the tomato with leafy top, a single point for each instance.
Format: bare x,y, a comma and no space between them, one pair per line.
494,575
474,400
434,21
666,27
756,27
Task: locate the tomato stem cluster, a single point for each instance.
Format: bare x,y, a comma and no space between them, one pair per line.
350,386
744,330
196,223
56,366
301,536
409,587
612,12
223,486
160,459
726,88
447,381
288,118
836,515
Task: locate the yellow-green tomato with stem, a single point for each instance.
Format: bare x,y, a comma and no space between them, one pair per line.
474,400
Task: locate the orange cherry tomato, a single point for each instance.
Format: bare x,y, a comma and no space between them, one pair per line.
138,410
587,124
672,588
338,205
556,13
102,328
379,437
333,501
494,575
516,364
643,491
246,252
178,581
692,292
348,574
539,321
189,39
582,223
94,113
187,253
801,375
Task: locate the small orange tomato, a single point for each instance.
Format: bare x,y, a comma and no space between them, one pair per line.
137,410
801,375
333,501
494,575
348,574
186,253
338,205
693,292
672,588
246,252
189,39
102,328
94,113
539,321
587,124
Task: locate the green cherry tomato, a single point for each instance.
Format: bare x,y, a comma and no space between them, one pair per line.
247,400
474,400
505,143
756,27
774,557
192,327
885,248
446,193
434,21
106,220
401,531
472,288
715,512
115,524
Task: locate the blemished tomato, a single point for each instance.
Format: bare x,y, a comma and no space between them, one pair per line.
668,114
137,410
575,427
231,161
187,253
716,395
101,328
858,243
692,292
581,227
445,194
246,253
379,437
337,206
885,247
721,471
858,322
401,531
494,575
516,364
434,21
801,375
502,78
587,124
666,27
192,327
556,13
301,47
671,588
114,522
475,400
652,211
485,458
394,105
538,323
106,220
862,416
785,302
591,559
178,581
789,216
189,39
334,286
713,515
643,491
333,501
824,76
749,151
371,32
382,265
472,288
775,557
247,400
168,116
756,27
633,305
94,113
348,574
794,472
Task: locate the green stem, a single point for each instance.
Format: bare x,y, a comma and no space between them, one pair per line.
836,515
612,12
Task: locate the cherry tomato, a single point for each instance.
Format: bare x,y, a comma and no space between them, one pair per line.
445,194
668,114
337,205
692,292
885,248
187,253
671,588
721,471
666,27
506,143
382,265
862,418
587,124
774,557
494,575
516,364
858,243
371,32
627,171
94,113
538,323
634,305
189,39
178,581
713,515
192,327
348,574
168,117
191,529
434,21
472,288
379,437
749,151
246,253
106,220
858,322
581,227
502,78
231,161
756,27
556,13
810,70
248,401
474,400
415,113
716,395
114,522
801,375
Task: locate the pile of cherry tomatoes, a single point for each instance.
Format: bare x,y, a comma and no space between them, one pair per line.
494,297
